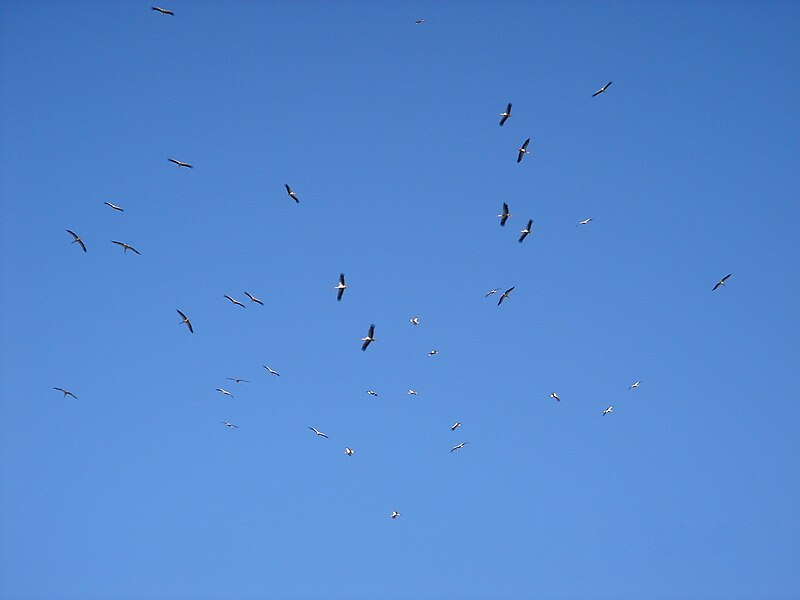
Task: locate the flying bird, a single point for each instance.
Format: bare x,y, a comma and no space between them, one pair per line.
610,409
602,89
163,11
503,216
395,514
236,302
372,393
319,433
65,392
505,295
504,115
555,397
369,339
525,231
523,150
186,320
125,247
719,283
459,447
455,426
349,451
224,392
414,320
433,352
77,239
490,293
253,298
341,286
584,222
180,164
114,206
271,371
419,21
229,425
634,385
412,393
291,193
237,381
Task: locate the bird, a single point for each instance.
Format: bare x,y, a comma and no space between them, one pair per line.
125,247
523,150
414,320
555,397
237,381
114,206
634,385
186,320
602,89
419,21
229,425
65,392
341,286
610,409
395,514
349,451
459,447
163,11
525,231
372,393
236,302
455,426
253,298
433,352
271,371
504,215
369,339
77,239
180,164
490,293
504,115
319,433
719,283
224,392
412,393
291,193
584,222
505,295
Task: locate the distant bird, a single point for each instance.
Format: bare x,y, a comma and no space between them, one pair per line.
224,392
634,385
186,320
395,514
584,222
414,320
523,150
180,164
253,298
125,247
349,451
229,425
504,115
236,302
369,339
163,11
77,239
719,283
505,295
319,433
65,392
602,89
271,371
526,231
433,352
412,393
459,447
455,426
372,393
341,286
291,193
504,215
490,293
237,381
419,21
555,397
114,206
610,409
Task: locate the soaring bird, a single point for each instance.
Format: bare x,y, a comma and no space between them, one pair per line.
224,392
291,193
319,433
504,215
163,11
349,451
395,514
114,206
341,286
584,222
610,409
555,397
236,302
634,385
77,239
459,447
372,393
490,293
253,298
237,381
504,115
419,21
719,283
229,425
525,231
66,392
369,339
505,295
433,352
186,320
125,247
414,320
271,371
523,150
412,393
180,164
602,89
455,426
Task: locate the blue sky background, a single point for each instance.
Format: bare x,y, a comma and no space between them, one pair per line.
388,132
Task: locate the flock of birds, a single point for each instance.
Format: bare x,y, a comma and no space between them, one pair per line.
341,286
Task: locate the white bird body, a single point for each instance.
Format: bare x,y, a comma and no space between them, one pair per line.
341,286
602,89
455,426
414,320
253,298
77,239
555,397
114,206
180,164
634,385
433,353
319,433
584,222
459,446
722,281
412,393
505,295
349,451
271,371
234,301
370,337
523,150
372,393
395,514
186,321
229,425
504,215
505,114
524,232
125,247
224,392
608,411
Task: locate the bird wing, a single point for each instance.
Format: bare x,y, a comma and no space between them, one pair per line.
503,119
726,277
173,161
341,278
605,87
508,109
365,344
340,294
229,298
719,283
523,236
530,223
520,155
525,145
371,330
288,189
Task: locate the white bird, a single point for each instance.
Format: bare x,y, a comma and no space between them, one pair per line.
186,320
610,409
163,11
77,239
224,392
272,372
505,295
236,302
523,150
229,425
341,286
369,339
349,451
504,215
490,293
395,514
634,385
525,231
237,381
602,89
555,397
459,447
455,426
180,164
372,393
125,247
414,320
114,206
584,222
505,114
291,193
722,281
253,298
65,392
319,433
413,393
433,352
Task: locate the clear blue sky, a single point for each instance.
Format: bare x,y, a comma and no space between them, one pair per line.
388,131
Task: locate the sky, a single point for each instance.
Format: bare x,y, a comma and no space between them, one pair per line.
388,132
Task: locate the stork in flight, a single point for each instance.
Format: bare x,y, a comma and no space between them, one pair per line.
237,381
609,410
505,114
490,293
341,286
114,206
372,393
634,385
505,295
602,89
413,393
555,397
229,425
180,164
523,150
186,320
419,21
291,193
524,232
224,392
455,426
319,433
459,447
503,216
125,247
349,451
395,514
65,392
369,339
236,302
433,352
584,222
719,283
77,239
163,11
271,371
253,298
414,320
